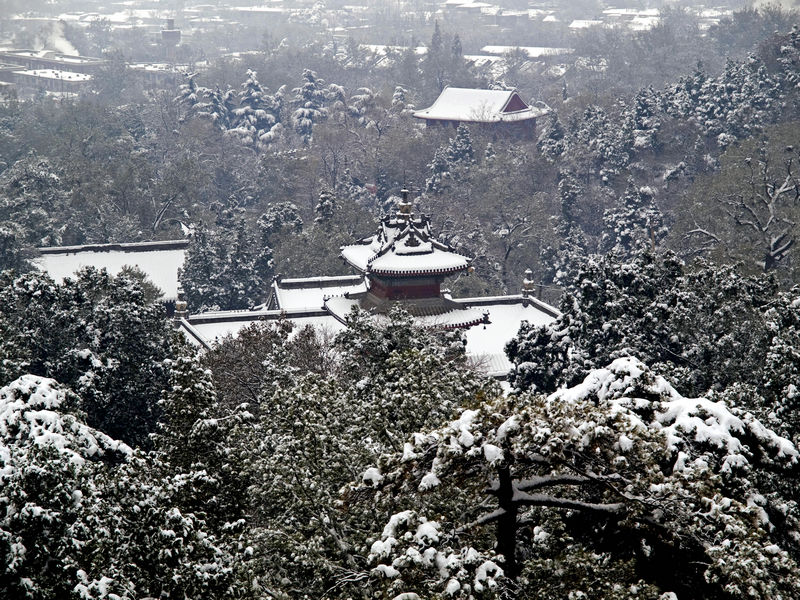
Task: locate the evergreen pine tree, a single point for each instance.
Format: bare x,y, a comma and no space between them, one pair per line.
219,108
199,272
438,182
460,151
257,119
309,102
227,267
190,96
325,208
636,224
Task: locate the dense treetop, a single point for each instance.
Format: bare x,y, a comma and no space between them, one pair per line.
654,422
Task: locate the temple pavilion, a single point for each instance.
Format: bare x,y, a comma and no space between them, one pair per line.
493,110
402,264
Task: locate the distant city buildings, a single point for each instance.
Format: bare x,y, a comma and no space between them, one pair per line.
50,60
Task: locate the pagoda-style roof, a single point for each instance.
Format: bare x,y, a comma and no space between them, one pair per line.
404,247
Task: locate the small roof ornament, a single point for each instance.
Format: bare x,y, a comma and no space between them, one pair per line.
181,307
405,209
528,286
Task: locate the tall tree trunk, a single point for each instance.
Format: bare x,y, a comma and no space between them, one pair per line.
507,523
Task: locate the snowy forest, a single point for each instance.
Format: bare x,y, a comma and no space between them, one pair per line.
646,444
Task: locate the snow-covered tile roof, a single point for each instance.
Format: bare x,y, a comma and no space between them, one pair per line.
477,106
631,12
404,246
486,342
643,23
584,23
456,318
531,51
310,292
208,329
55,74
160,261
397,263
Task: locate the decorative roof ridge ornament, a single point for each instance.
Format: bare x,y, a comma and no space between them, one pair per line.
405,209
528,288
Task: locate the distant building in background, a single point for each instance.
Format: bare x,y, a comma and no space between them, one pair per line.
37,60
8,82
160,75
47,71
51,80
170,38
500,110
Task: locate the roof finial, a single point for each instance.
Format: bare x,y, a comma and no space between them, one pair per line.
181,311
528,289
404,208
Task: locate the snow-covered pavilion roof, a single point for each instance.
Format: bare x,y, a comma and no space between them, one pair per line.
486,342
209,328
160,261
479,106
404,246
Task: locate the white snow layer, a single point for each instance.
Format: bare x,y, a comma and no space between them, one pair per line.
401,261
474,105
160,266
682,420
29,413
310,293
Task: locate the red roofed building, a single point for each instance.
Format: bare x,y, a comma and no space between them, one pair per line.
498,109
403,263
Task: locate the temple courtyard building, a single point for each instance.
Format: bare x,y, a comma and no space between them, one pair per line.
401,265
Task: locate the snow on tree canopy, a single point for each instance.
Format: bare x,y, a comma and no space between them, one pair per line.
700,483
31,413
683,421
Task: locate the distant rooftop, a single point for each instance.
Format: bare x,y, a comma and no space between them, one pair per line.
51,55
54,74
531,51
479,106
584,23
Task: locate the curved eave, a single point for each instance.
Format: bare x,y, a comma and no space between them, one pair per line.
416,273
463,325
358,268
509,117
